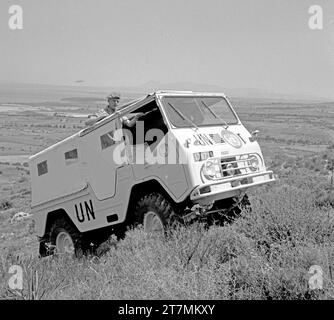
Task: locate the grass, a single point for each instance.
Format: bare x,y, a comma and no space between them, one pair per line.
264,254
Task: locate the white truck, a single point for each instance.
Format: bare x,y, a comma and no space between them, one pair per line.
188,157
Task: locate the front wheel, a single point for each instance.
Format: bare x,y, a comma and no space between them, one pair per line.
155,213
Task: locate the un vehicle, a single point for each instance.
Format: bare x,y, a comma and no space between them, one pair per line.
188,157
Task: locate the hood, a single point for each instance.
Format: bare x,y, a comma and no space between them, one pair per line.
233,140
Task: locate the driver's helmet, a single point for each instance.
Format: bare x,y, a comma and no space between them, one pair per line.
114,96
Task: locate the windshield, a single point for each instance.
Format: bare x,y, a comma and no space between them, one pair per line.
198,111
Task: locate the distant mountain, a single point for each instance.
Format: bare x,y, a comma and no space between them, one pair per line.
255,93
23,92
231,92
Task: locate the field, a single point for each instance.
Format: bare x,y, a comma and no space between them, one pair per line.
264,254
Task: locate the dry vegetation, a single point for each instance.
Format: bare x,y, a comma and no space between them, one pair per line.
263,254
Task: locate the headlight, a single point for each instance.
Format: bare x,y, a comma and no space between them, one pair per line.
211,169
253,163
220,168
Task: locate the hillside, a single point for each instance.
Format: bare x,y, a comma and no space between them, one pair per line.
263,254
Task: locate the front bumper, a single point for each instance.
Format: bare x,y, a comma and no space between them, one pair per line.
230,187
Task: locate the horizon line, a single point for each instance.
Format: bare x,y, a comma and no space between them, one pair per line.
142,89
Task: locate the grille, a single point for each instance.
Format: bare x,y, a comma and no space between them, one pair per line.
235,166
229,165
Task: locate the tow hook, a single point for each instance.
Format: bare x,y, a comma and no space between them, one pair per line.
196,211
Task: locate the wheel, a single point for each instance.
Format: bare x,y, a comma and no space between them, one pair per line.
65,239
155,213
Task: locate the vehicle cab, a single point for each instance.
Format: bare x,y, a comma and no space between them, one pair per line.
223,158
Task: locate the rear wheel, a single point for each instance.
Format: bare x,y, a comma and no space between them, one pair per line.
64,242
155,213
65,239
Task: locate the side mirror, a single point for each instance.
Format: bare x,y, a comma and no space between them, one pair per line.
254,135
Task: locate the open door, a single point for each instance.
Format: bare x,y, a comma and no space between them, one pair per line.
100,165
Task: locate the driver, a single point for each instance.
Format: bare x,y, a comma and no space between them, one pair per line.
113,100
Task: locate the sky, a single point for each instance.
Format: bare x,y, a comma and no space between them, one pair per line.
264,44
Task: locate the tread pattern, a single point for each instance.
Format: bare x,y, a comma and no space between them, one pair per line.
157,203
63,225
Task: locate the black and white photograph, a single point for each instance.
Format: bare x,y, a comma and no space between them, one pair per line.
166,156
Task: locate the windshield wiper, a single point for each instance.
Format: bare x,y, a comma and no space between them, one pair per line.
183,116
215,115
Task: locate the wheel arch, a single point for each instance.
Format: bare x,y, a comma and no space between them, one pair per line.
141,189
53,215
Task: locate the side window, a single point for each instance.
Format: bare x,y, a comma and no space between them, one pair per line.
42,168
71,156
107,140
154,127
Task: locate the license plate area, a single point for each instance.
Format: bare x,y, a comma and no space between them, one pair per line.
244,181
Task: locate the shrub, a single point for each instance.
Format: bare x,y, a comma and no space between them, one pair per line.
5,204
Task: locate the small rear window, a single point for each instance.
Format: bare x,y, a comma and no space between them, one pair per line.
42,168
107,140
71,156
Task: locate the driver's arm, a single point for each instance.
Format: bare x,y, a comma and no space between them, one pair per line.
130,123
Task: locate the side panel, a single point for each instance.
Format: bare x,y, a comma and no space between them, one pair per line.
63,176
88,212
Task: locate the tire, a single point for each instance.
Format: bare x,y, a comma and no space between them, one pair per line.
65,239
155,213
